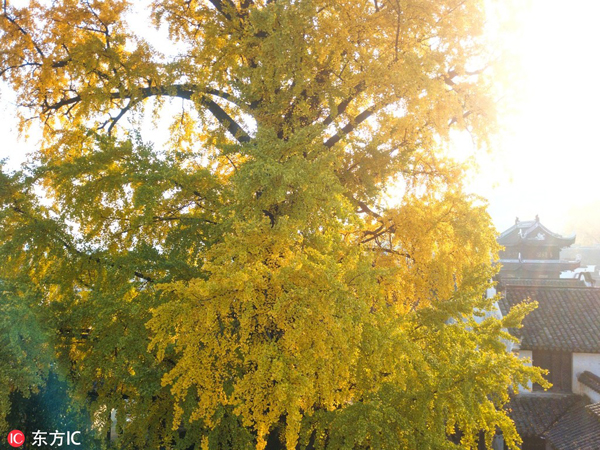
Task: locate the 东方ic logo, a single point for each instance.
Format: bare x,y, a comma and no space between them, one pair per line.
16,438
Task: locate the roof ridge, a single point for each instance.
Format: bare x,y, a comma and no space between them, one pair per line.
594,410
593,383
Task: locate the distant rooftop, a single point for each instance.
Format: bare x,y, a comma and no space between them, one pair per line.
533,251
532,232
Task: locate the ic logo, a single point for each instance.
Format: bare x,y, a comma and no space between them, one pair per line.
16,438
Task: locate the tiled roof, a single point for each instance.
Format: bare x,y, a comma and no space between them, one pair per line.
590,380
567,421
594,408
567,319
577,429
533,414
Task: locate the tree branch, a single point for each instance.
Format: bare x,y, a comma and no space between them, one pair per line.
341,107
350,127
363,207
75,251
227,121
20,66
22,31
116,119
185,91
223,7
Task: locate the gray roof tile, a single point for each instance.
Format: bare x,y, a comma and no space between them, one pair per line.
567,319
533,414
577,429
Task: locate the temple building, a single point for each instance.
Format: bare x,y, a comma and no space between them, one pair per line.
532,251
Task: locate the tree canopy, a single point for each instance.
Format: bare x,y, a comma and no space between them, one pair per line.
249,283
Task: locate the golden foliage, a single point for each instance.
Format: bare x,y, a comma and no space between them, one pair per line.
247,282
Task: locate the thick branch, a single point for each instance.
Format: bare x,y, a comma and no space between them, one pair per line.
224,7
226,120
184,91
341,107
363,207
349,127
377,233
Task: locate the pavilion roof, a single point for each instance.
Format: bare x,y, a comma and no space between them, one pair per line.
533,233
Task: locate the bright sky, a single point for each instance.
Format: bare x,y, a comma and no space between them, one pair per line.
548,161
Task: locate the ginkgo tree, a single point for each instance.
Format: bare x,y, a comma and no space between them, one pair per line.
248,284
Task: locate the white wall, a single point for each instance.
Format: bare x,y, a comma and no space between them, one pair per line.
525,354
581,363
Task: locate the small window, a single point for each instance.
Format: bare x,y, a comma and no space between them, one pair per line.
559,366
